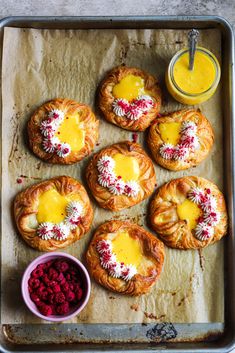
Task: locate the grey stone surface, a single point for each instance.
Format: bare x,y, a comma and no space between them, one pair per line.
224,8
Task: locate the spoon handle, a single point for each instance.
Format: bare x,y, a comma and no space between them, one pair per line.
192,40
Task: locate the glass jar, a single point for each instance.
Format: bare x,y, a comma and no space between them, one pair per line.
198,85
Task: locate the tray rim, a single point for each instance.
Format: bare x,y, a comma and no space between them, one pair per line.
147,22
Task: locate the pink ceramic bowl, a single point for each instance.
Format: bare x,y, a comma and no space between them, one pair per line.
86,285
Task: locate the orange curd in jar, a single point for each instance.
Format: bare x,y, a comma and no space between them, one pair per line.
193,86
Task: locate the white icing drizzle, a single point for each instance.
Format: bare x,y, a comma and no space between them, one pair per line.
63,150
129,272
115,185
61,231
48,230
105,163
48,145
120,107
106,179
188,143
110,263
48,128
167,150
132,188
180,153
57,115
74,211
118,187
195,195
135,109
203,231
134,113
74,207
104,246
45,230
210,216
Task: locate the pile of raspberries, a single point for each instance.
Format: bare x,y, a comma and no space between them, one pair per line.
55,287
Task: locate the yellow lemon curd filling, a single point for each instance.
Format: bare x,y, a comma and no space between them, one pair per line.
170,132
190,212
197,80
52,206
127,249
193,86
129,88
127,167
70,131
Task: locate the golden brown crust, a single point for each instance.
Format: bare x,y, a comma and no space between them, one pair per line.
175,232
146,180
26,208
152,248
106,98
90,123
204,133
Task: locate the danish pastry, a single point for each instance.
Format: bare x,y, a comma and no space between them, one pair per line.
125,258
129,98
181,139
53,214
62,131
189,213
120,176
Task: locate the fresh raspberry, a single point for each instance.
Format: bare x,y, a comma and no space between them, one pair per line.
70,296
73,270
65,287
40,290
44,295
53,308
40,303
48,264
74,278
56,288
35,298
134,137
62,308
42,267
30,290
38,272
52,273
19,180
61,265
51,298
49,290
79,294
46,279
46,310
76,286
68,276
59,298
34,282
61,279
52,283
71,285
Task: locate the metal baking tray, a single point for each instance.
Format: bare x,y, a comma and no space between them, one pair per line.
167,337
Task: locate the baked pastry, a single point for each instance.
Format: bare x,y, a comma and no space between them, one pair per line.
130,98
120,176
181,139
53,214
63,131
125,258
189,213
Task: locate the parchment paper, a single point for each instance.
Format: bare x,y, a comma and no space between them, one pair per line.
39,65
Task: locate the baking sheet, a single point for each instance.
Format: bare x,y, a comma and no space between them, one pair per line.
39,65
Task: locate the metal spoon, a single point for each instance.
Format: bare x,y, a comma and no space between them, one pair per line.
192,40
